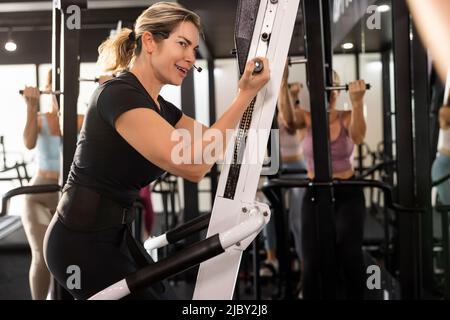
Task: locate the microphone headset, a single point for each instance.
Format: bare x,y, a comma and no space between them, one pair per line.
199,69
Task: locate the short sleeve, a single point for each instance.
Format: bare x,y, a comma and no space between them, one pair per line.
173,114
117,98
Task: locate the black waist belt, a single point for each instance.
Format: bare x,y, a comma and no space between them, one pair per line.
84,209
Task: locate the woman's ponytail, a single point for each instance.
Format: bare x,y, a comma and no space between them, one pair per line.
116,53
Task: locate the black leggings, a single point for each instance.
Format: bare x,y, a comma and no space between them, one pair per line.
102,256
349,218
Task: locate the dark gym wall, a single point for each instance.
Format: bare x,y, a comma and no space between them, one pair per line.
36,46
32,33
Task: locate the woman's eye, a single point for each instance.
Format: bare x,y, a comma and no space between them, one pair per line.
183,44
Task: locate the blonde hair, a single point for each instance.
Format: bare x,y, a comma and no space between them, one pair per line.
49,80
117,52
336,78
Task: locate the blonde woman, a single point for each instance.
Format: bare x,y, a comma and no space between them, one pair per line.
346,129
125,144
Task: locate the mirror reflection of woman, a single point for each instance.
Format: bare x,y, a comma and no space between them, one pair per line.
42,132
441,165
346,129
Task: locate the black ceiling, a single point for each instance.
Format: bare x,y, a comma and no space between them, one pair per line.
367,40
31,30
218,23
32,33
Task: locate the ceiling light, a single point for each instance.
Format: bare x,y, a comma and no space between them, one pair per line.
10,45
347,46
383,8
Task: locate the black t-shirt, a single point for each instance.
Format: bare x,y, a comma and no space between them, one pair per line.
103,159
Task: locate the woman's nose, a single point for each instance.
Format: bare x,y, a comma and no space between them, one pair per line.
191,56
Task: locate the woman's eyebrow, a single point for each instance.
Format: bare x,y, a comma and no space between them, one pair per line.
189,42
186,39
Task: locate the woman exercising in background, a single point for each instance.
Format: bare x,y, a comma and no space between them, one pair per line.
346,128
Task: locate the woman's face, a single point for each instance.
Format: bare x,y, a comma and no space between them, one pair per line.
174,57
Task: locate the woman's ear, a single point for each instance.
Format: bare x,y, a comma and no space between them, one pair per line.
148,42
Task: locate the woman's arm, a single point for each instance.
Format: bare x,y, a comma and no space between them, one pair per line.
432,18
174,149
289,106
291,116
357,128
30,132
160,142
285,106
444,117
80,120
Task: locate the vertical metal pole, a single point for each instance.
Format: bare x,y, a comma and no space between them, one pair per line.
191,207
423,159
36,70
408,244
360,147
387,115
190,189
256,265
56,52
388,177
59,293
324,211
2,144
212,120
70,72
